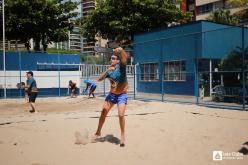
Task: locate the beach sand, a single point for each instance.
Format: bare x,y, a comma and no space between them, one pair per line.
156,134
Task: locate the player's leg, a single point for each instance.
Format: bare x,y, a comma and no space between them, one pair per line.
122,101
73,92
32,99
32,104
121,113
106,108
92,90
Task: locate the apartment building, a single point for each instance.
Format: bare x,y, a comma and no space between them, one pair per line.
87,6
201,9
76,41
88,47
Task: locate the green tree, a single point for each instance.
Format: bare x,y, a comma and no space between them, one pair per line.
223,16
42,20
237,3
121,19
234,62
243,13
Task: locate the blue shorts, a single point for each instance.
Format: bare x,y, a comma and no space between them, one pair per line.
117,98
93,88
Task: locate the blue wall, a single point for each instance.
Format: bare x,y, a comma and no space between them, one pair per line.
246,37
28,61
147,46
43,92
219,40
186,42
176,43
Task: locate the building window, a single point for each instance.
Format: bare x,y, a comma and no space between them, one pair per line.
149,72
205,8
218,5
175,71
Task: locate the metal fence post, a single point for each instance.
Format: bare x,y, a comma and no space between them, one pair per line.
59,73
162,70
196,73
104,90
243,66
196,81
20,73
134,81
4,53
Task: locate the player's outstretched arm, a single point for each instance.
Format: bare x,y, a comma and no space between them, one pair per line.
104,74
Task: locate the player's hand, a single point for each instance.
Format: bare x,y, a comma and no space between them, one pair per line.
118,50
110,68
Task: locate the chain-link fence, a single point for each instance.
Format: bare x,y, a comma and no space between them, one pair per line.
53,72
208,67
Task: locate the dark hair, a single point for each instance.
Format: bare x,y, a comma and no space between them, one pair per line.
118,58
30,72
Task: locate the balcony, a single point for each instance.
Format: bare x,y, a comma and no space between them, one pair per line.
89,5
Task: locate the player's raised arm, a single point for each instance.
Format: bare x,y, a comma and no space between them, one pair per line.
122,55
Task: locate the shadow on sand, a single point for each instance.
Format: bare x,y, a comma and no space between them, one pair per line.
109,138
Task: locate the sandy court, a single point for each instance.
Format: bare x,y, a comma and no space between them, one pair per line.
157,133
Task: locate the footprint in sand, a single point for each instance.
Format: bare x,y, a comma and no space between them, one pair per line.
82,138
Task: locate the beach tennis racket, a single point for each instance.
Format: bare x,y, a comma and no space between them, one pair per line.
20,85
